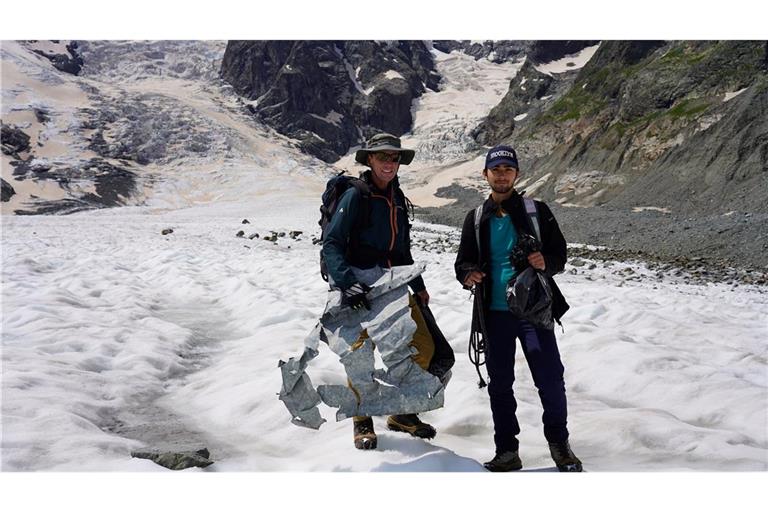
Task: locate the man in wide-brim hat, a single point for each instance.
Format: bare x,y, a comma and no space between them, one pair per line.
384,142
353,253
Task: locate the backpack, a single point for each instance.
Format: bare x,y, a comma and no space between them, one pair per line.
334,189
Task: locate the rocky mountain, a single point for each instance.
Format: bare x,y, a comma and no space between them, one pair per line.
330,95
504,51
638,145
644,123
140,118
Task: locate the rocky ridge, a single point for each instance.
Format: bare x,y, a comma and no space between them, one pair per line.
330,95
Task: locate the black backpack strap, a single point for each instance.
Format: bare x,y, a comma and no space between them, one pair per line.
365,196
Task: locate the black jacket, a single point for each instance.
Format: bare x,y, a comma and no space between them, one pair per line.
554,247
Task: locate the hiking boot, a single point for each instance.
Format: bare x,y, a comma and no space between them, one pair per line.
411,424
365,437
564,458
505,461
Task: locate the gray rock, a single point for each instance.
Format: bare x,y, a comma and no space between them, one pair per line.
177,460
167,231
14,140
7,191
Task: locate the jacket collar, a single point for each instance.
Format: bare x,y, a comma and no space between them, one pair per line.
510,204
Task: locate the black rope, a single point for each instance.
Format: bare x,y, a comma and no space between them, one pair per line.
477,338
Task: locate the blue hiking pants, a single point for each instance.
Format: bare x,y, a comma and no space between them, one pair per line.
540,349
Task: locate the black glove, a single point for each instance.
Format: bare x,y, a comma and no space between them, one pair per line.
355,297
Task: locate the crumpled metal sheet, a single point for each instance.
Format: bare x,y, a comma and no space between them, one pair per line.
401,387
297,392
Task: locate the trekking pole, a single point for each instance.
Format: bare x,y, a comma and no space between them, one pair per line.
478,339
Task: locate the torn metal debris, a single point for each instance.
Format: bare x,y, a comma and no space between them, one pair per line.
401,387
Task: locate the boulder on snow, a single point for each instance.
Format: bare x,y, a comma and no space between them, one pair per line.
177,460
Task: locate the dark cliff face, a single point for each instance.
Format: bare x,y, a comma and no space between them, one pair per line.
547,51
528,91
70,62
330,95
646,123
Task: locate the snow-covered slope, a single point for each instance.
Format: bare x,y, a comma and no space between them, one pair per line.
112,330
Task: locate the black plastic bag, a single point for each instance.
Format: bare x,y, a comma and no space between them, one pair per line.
529,297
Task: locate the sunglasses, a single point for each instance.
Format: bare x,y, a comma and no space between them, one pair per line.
386,157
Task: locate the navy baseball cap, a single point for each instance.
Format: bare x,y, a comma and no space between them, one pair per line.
501,155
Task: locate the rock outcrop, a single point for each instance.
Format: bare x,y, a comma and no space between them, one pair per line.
7,191
495,51
547,51
330,95
14,140
505,51
66,59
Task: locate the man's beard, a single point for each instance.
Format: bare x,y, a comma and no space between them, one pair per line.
502,189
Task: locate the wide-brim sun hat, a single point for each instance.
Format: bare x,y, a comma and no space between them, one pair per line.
384,142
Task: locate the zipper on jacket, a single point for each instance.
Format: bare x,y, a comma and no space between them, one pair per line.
392,221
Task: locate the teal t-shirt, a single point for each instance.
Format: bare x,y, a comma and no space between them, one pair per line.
503,239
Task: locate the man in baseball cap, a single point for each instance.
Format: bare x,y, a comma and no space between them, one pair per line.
505,223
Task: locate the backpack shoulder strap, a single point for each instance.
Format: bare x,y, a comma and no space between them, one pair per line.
478,216
364,190
533,216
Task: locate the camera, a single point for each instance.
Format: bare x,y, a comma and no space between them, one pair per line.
526,244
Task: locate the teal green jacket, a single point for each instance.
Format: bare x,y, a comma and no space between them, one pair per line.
385,241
